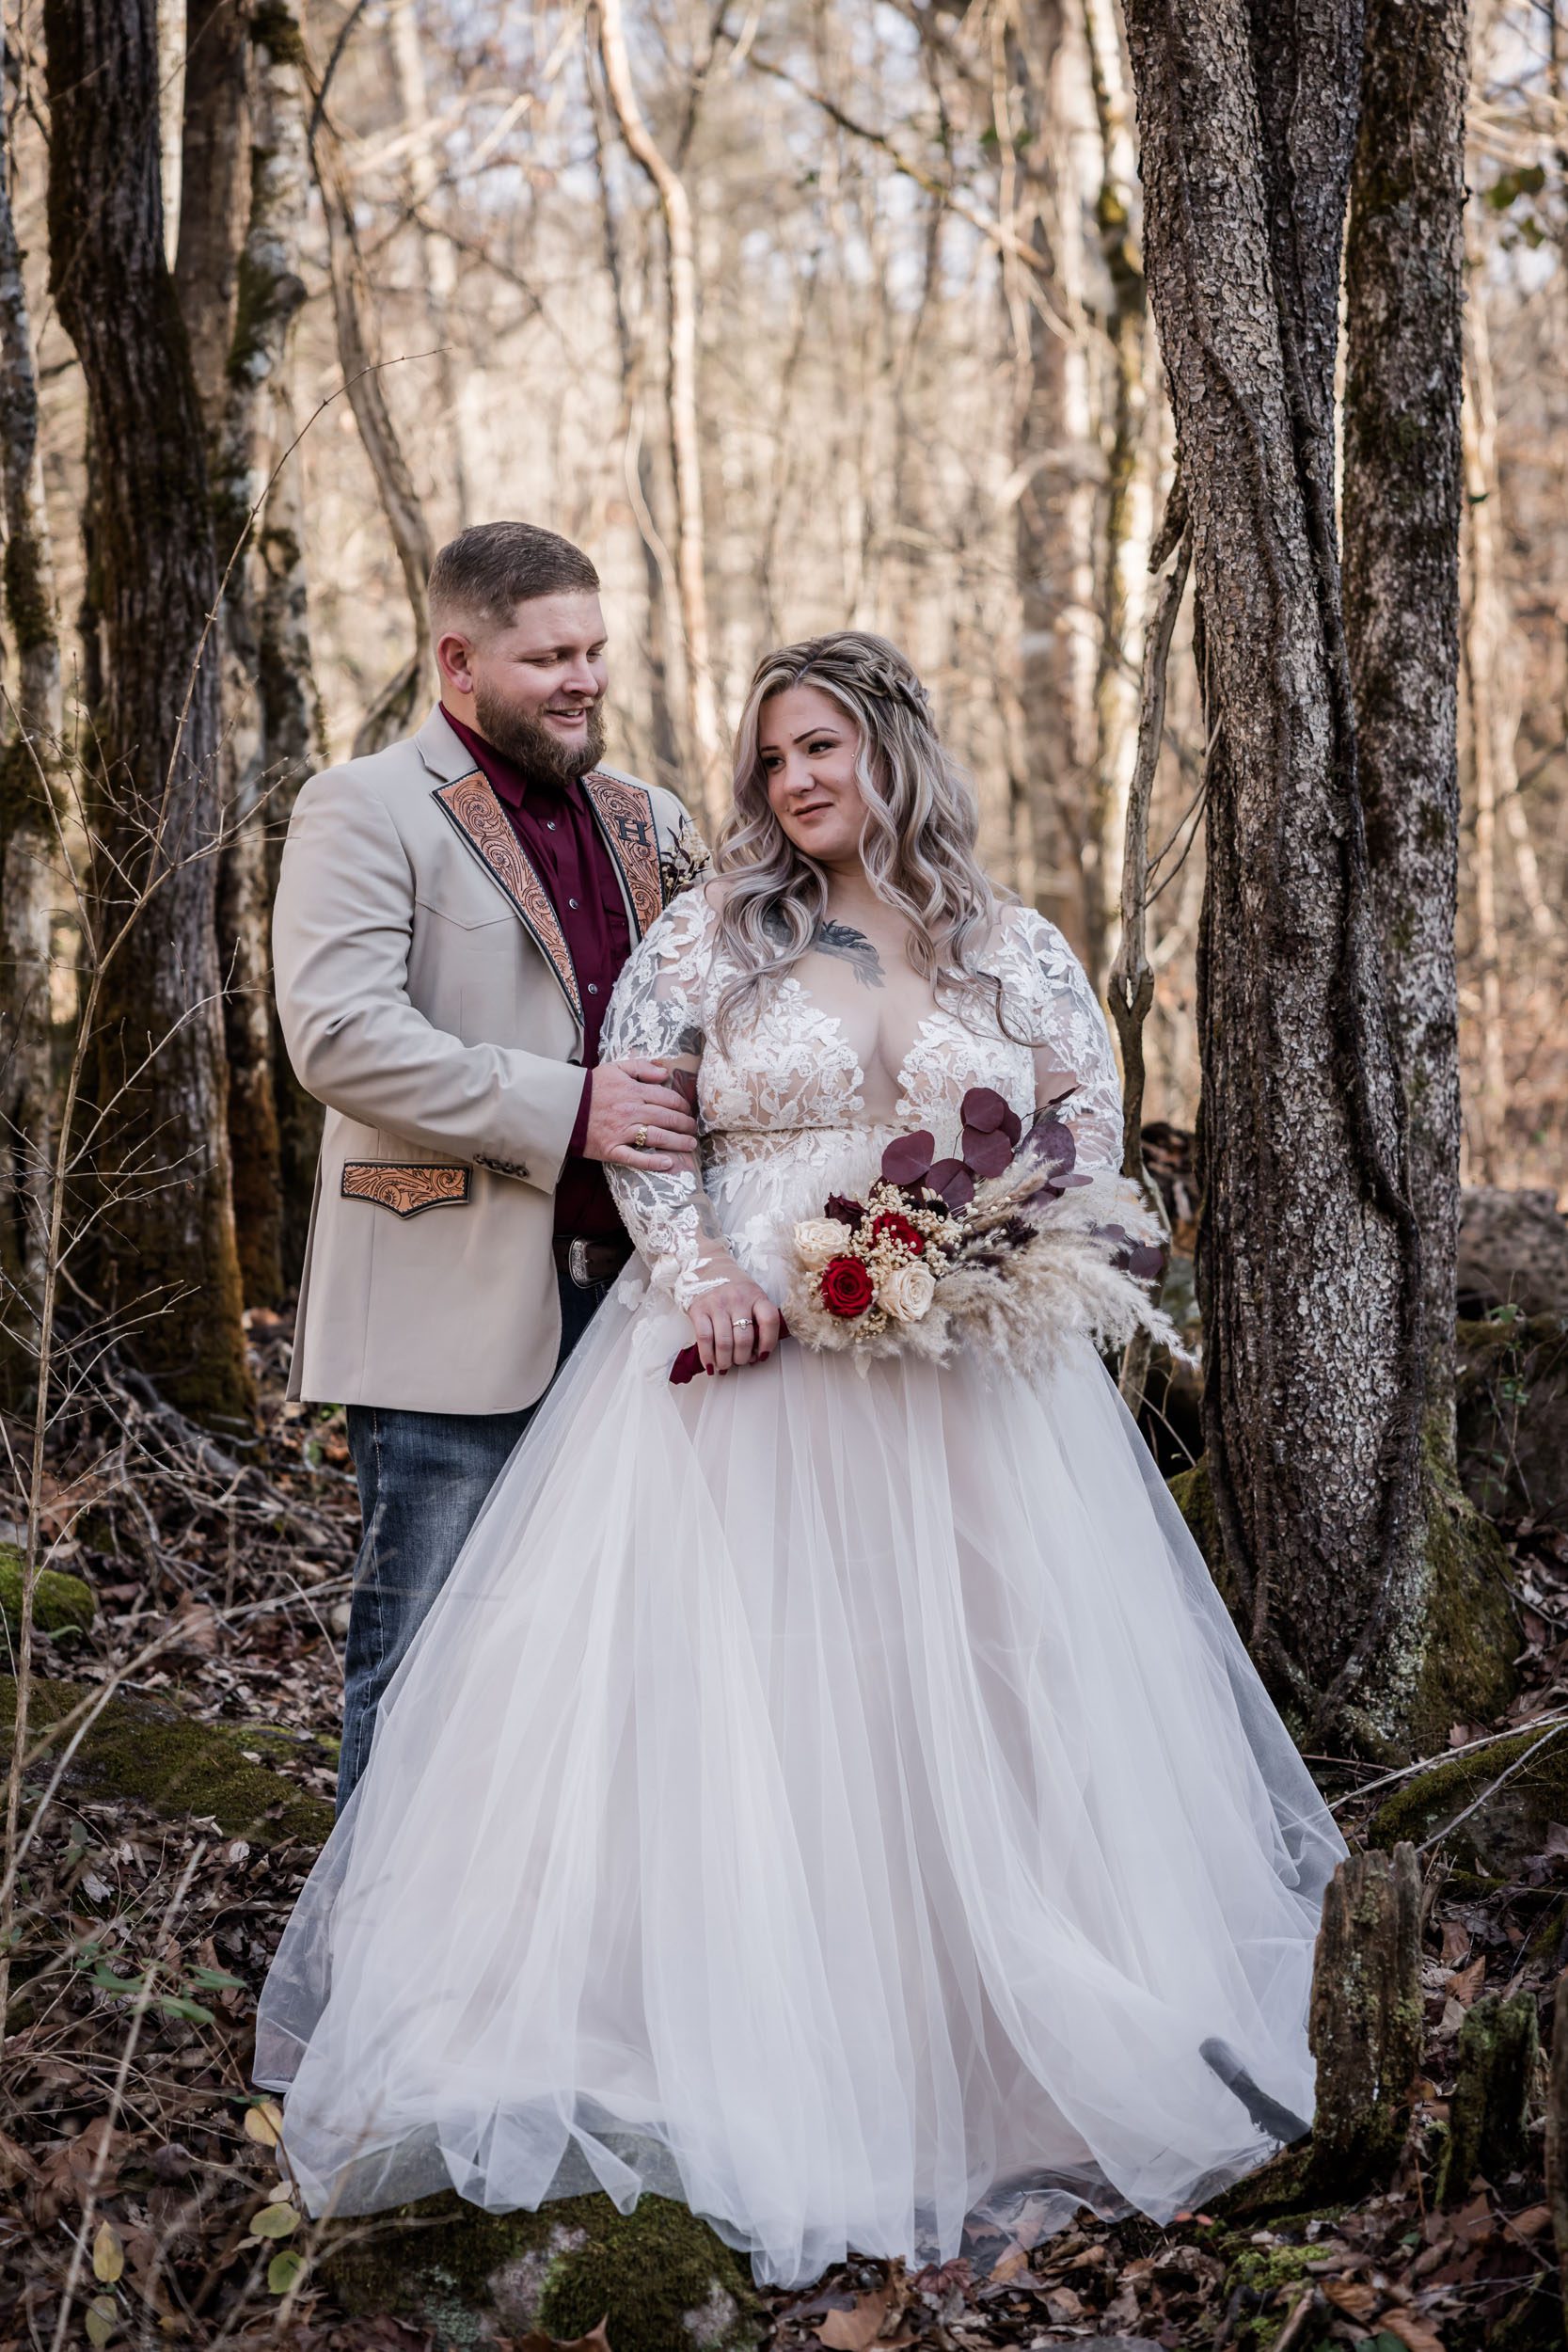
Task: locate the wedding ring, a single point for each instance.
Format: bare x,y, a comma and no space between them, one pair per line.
740,1323
640,1138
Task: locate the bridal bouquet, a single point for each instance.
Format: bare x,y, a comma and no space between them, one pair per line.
1004,1248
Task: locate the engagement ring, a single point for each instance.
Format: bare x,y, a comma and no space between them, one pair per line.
640,1138
741,1323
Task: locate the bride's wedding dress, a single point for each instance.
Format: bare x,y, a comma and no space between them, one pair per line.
822,1794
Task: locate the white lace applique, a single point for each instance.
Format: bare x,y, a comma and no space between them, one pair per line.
781,1106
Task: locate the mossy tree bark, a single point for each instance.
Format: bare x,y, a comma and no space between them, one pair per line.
1403,481
1309,1260
212,189
164,1227
29,765
258,772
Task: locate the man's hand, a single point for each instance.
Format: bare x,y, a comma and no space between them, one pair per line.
734,1324
635,1100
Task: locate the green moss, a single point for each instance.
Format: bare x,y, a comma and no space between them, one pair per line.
62,1605
660,2279
1194,1497
274,28
1468,1637
1511,1823
1500,2051
145,1748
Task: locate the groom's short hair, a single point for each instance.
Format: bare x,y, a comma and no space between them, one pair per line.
481,577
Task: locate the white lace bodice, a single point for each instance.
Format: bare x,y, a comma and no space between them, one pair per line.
785,1106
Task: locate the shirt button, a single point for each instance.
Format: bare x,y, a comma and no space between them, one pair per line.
592,988
573,904
549,824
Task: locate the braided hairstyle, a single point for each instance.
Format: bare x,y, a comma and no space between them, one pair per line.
922,821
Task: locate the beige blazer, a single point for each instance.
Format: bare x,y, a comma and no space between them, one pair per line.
427,998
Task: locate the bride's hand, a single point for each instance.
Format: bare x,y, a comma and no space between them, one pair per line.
734,1324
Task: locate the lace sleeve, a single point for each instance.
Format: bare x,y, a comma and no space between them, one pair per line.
1074,1036
658,1012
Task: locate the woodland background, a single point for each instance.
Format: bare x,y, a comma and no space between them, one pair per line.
1018,331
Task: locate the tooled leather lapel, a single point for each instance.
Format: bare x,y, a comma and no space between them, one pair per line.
626,818
481,819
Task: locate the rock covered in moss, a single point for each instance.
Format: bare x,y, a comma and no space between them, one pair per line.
63,1606
146,1748
657,2276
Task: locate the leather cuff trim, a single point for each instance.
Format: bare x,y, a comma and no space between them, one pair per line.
406,1187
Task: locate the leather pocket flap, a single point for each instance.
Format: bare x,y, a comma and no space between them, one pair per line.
405,1187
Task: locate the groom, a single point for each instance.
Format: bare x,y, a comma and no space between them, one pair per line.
451,916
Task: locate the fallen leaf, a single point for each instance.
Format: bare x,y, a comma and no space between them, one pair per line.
108,2255
275,2221
1009,2264
264,2121
1456,1943
594,2341
283,2270
854,2330
1416,2333
100,2319
1465,1983
1064,2306
1531,2221
1349,2297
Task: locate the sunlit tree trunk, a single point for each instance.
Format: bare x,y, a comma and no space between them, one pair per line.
29,767
271,292
684,429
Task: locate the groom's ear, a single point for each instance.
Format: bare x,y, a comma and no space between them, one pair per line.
454,660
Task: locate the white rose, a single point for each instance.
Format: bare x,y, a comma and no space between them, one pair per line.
906,1293
819,1238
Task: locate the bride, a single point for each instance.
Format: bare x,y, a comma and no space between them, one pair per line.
829,1793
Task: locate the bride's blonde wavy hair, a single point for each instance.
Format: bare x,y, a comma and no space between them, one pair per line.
922,821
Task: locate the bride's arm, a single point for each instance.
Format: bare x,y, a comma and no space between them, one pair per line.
658,1013
1074,1038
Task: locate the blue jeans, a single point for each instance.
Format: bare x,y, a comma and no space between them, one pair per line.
423,1479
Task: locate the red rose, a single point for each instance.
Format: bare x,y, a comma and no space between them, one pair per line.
898,1229
846,1287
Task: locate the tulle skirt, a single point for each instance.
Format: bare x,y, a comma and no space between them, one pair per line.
821,1796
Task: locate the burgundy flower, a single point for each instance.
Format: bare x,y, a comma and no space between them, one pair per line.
846,1287
899,1228
844,1211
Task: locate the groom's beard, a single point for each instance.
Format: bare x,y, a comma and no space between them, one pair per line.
531,746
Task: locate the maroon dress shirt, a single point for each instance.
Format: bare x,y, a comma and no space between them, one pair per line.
556,828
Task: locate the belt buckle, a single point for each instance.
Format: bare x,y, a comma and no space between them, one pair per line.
576,1262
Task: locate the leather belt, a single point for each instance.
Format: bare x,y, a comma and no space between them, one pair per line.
589,1261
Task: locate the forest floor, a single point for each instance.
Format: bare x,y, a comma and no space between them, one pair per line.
137,2163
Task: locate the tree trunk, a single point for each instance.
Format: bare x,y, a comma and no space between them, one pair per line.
271,292
392,712
685,434
29,765
1053,519
211,191
437,266
164,1262
295,737
1310,1266
1403,496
